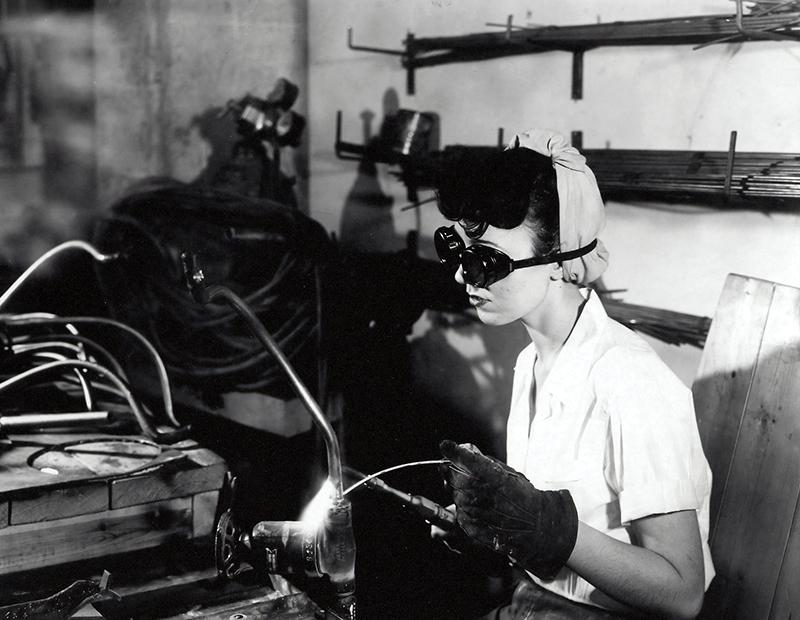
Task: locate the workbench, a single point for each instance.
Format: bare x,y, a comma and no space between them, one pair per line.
74,504
67,497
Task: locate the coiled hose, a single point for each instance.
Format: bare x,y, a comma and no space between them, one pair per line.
267,253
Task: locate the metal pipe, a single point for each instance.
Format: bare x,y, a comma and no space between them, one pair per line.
68,245
196,282
25,421
151,431
163,377
332,445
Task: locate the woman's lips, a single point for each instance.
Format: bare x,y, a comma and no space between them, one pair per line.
476,301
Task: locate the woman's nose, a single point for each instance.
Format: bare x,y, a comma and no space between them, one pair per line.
459,276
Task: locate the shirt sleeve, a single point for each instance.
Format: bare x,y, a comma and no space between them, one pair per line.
654,460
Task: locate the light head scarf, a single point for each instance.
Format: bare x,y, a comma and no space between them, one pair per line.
581,213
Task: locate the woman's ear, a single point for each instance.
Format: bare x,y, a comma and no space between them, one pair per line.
556,273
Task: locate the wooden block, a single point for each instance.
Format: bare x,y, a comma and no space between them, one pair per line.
204,512
49,504
203,457
758,505
725,372
33,545
3,514
202,471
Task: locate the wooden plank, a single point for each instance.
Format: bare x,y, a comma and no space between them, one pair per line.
51,504
34,545
202,471
725,372
757,509
3,515
204,513
786,602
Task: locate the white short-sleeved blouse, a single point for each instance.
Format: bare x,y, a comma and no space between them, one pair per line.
615,427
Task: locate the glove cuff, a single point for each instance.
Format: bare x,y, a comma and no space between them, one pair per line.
557,532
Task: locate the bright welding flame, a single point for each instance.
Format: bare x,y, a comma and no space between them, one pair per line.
314,513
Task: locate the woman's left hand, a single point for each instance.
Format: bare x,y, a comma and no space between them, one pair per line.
499,508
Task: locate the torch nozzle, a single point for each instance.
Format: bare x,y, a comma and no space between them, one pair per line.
433,513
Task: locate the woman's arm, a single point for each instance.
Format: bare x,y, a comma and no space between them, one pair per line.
661,573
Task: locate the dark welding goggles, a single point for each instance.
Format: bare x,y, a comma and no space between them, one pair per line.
484,265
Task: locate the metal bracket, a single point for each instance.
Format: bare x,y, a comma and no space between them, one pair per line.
729,165
364,48
342,149
577,74
409,62
408,56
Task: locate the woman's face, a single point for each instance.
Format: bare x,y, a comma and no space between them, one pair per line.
520,295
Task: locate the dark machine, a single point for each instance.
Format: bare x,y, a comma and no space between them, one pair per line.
265,126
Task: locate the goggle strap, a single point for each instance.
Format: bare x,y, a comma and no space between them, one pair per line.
556,258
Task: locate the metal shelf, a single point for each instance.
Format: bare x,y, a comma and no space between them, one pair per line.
769,181
772,20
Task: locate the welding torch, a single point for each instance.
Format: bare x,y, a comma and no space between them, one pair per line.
433,513
490,562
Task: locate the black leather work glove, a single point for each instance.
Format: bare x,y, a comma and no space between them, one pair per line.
476,556
499,508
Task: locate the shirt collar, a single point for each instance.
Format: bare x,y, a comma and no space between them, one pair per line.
575,360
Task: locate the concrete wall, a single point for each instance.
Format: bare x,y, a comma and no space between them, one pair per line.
47,157
161,71
127,89
674,257
165,69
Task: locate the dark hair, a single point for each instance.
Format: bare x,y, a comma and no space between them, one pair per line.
503,189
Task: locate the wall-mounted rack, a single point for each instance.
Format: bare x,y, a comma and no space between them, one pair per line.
775,20
729,178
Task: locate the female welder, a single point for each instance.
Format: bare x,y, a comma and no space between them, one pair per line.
604,501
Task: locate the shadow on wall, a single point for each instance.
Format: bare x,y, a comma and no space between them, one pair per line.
218,129
367,222
47,141
749,421
241,160
456,379
464,371
62,101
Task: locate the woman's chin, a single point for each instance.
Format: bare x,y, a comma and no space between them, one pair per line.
487,317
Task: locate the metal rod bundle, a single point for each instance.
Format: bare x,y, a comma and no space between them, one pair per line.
674,31
702,174
666,325
767,20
